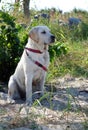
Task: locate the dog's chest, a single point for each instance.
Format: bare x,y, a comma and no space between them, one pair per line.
39,71
42,59
38,74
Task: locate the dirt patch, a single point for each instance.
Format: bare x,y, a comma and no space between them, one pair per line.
64,106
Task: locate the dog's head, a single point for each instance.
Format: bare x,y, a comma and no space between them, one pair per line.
42,35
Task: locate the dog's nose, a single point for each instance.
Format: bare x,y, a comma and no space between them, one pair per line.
52,38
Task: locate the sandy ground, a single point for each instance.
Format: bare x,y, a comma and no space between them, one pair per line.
64,106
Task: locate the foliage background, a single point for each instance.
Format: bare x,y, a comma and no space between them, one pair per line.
67,55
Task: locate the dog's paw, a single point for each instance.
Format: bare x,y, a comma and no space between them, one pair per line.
29,103
3,96
10,101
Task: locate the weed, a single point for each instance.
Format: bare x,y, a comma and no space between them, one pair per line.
85,124
2,111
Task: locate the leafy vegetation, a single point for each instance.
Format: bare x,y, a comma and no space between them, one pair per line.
9,45
67,55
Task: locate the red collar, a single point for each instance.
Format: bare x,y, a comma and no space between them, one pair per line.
33,50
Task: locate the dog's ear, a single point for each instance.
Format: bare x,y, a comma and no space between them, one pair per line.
33,34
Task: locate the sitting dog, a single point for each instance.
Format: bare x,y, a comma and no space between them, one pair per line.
31,70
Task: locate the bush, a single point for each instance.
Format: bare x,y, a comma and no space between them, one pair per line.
56,50
79,32
84,30
9,45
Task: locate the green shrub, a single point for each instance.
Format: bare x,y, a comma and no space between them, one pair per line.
9,45
84,31
78,33
56,50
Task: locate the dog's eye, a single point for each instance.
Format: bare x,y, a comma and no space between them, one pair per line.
43,32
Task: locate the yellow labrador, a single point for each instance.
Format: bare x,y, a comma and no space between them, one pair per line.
31,70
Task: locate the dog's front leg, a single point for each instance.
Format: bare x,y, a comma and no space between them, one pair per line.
28,84
41,84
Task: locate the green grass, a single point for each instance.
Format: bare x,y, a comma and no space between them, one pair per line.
74,62
2,111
